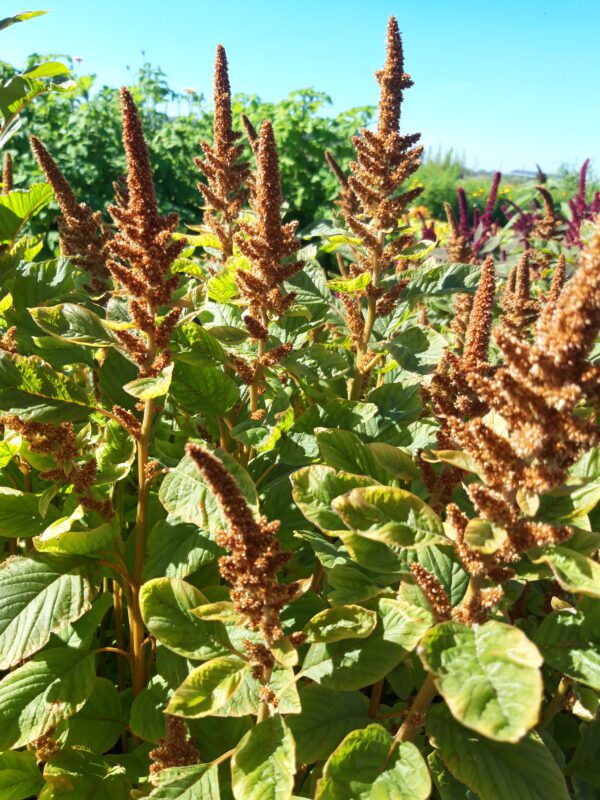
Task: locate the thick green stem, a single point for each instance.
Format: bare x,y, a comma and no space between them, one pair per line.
555,705
409,728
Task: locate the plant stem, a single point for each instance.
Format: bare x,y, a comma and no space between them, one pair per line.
555,705
376,693
412,723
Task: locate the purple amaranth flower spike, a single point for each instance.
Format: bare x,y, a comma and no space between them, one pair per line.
427,231
581,209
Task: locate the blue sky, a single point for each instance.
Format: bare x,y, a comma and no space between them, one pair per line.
506,83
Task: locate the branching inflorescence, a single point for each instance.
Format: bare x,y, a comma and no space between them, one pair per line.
270,246
255,555
142,252
83,236
373,203
226,173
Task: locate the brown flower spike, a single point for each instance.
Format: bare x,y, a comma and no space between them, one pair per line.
385,159
255,555
142,252
269,245
83,235
225,191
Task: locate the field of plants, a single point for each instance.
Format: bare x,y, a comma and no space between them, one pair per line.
299,454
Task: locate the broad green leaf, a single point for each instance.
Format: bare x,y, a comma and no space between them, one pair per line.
39,595
19,205
247,699
350,285
9,447
314,489
195,345
114,454
80,775
573,571
177,549
496,770
363,768
208,687
418,349
31,389
395,460
82,632
445,783
263,765
198,782
341,622
569,641
443,563
354,663
147,715
72,536
391,516
204,390
483,537
185,494
74,324
166,605
489,676
343,450
441,279
20,514
20,777
98,725
34,698
327,716
149,388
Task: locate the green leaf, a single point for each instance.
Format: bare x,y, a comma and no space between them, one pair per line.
39,595
20,777
263,765
149,388
363,768
314,489
74,324
80,775
440,280
445,783
18,206
343,450
114,454
418,349
177,549
98,725
72,535
390,515
350,285
341,622
496,770
395,460
483,537
573,571
569,641
198,782
352,664
25,15
327,716
147,715
195,345
34,698
185,494
208,687
166,605
204,390
31,389
489,676
20,514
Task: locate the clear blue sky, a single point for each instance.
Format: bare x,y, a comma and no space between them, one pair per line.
507,83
